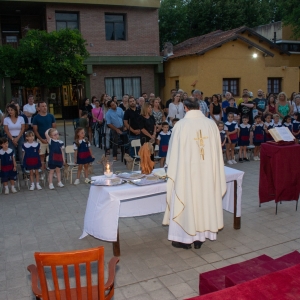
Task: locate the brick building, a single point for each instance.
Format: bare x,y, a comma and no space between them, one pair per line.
122,39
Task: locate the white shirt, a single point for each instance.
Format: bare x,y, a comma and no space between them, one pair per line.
14,128
80,141
162,133
31,109
176,110
28,145
296,108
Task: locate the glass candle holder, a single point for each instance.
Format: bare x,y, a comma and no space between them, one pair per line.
108,168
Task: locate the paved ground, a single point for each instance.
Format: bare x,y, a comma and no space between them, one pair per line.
149,268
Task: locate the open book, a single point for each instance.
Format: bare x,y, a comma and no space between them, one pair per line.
281,134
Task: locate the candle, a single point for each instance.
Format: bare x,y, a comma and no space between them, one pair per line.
107,172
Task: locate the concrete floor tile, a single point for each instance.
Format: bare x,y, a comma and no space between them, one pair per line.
164,294
151,285
180,290
212,257
172,279
132,290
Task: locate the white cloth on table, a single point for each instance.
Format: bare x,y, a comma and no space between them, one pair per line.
106,204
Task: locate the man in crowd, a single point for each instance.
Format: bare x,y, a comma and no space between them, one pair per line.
141,102
145,96
131,122
114,120
203,107
245,91
124,103
166,110
245,108
261,102
194,208
225,104
41,123
29,110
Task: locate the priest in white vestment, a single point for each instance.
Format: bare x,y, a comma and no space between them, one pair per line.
196,180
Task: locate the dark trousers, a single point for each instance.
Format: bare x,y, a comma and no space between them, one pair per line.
115,142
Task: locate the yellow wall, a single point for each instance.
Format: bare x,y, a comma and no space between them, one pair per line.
232,60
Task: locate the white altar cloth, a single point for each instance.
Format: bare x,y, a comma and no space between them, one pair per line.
106,204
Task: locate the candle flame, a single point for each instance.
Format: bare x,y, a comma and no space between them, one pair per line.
107,168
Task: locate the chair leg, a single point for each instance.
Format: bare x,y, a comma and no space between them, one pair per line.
133,164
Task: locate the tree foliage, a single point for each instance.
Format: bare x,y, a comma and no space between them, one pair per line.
8,65
51,59
45,59
291,15
183,19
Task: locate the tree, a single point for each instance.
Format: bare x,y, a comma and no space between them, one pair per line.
8,65
290,10
183,19
51,59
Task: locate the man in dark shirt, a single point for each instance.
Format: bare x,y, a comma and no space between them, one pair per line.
132,123
245,108
166,110
261,102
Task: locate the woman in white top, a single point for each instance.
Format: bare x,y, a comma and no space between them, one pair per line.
176,109
14,127
296,104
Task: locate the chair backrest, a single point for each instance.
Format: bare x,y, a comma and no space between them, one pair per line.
62,262
69,151
135,144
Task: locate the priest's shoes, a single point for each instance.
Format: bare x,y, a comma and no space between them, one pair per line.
181,245
197,244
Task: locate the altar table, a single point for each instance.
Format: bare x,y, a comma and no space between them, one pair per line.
106,204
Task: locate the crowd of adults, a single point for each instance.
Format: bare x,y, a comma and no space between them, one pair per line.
105,120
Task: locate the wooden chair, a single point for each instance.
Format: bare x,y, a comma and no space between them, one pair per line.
62,263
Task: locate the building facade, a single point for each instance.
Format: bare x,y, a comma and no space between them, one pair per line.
231,61
122,38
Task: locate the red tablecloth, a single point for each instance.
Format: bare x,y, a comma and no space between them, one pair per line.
279,176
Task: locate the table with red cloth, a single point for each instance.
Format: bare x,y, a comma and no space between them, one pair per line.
279,177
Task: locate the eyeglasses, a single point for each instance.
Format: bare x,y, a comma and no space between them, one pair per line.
55,134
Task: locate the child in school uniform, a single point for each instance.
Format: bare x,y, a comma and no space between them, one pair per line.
83,155
244,138
258,129
287,122
162,140
276,119
232,131
31,159
223,135
296,126
56,156
8,166
269,123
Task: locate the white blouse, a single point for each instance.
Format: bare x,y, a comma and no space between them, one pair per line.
14,128
176,110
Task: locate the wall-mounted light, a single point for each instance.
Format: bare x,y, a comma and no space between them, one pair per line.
254,55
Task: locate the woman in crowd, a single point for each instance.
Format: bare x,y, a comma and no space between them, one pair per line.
292,99
176,109
147,125
215,109
271,107
14,127
86,106
296,104
106,136
97,115
158,115
283,107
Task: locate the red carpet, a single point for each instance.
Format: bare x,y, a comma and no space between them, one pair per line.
215,280
258,278
252,272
